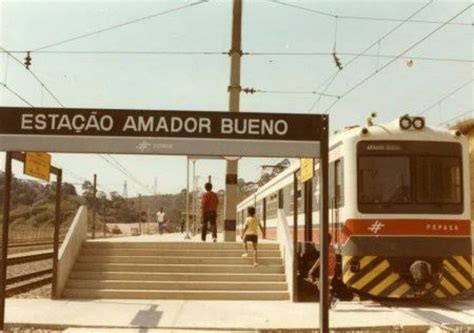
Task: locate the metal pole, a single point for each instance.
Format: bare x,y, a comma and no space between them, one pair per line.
57,225
194,193
140,216
94,206
187,199
231,188
295,237
324,228
6,221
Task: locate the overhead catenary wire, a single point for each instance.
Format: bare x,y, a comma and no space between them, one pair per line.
412,46
457,117
122,52
16,94
451,93
223,53
120,25
365,18
131,176
124,172
391,31
34,76
291,92
84,179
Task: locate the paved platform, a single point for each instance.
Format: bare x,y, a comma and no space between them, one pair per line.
231,315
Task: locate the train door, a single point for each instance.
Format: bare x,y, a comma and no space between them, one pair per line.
338,198
308,211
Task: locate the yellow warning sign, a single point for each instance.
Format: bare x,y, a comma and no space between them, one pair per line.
37,165
307,169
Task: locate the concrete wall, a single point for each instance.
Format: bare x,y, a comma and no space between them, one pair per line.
286,248
70,248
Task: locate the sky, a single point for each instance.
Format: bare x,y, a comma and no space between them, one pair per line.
199,81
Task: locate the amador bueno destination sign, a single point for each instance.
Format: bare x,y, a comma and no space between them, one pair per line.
160,132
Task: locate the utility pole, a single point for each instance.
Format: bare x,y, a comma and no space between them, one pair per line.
235,53
94,205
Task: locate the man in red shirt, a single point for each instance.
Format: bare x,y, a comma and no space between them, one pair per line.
209,204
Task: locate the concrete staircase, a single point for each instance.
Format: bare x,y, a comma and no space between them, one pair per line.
176,270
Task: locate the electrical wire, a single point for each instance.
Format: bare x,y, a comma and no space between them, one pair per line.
99,52
103,52
356,55
124,172
391,31
295,92
366,18
425,110
456,117
131,176
360,83
120,25
16,94
34,75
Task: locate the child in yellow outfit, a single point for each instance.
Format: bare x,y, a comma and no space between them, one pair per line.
251,233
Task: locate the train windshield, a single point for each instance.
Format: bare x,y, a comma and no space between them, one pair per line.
410,177
438,179
384,179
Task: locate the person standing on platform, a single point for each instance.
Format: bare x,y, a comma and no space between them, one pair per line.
331,272
160,218
209,203
183,222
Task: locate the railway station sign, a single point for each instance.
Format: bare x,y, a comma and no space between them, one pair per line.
307,169
161,132
37,165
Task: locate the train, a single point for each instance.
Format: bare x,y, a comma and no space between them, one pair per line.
399,209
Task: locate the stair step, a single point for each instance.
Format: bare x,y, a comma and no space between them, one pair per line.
174,245
106,267
136,276
177,260
174,253
176,294
174,285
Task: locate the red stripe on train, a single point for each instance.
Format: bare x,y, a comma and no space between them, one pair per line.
418,227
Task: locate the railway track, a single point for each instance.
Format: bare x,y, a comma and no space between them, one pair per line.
25,282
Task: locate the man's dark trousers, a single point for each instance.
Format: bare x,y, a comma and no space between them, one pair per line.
209,217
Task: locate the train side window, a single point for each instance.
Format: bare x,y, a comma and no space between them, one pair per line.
336,183
339,183
331,185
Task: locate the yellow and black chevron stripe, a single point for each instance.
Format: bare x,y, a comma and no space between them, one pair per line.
376,277
456,276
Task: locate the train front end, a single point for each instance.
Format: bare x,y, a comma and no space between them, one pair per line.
409,234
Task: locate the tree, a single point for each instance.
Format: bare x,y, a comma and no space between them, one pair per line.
88,192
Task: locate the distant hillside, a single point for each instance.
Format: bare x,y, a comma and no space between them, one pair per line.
32,206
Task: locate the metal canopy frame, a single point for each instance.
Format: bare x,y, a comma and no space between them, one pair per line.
20,157
143,132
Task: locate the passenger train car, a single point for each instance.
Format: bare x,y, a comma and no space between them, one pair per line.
399,209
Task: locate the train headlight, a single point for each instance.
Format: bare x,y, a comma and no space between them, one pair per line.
418,123
405,122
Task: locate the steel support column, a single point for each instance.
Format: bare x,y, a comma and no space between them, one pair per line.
6,221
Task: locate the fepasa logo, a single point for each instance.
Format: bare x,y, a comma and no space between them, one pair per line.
376,227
